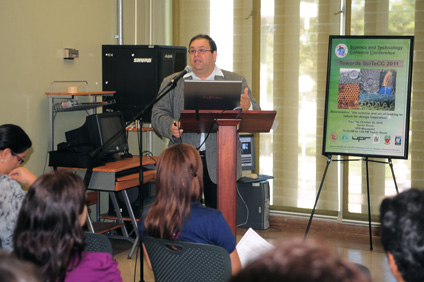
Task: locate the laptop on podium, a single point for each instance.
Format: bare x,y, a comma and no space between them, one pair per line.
212,94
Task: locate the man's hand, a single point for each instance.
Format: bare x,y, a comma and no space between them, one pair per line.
245,100
175,129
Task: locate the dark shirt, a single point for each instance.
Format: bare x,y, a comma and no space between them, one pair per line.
205,225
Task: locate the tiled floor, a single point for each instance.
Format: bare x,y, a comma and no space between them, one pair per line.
353,244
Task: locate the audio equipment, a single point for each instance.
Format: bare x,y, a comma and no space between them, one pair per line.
135,72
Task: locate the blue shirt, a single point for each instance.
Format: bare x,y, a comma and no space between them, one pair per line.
205,225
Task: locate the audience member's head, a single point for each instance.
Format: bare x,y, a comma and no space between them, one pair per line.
48,231
402,234
298,260
179,181
14,145
14,270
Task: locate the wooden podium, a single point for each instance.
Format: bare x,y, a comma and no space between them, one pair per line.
226,125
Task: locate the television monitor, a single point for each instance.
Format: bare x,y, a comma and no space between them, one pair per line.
78,139
96,131
247,152
102,127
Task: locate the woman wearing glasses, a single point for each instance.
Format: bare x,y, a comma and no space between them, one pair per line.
14,145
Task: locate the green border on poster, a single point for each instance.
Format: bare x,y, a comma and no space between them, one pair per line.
368,96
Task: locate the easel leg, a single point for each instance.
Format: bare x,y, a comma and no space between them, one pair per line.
316,200
393,174
369,206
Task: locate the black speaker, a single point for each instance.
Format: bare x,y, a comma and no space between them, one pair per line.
253,205
135,72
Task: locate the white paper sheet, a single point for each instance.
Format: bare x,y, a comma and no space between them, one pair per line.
251,246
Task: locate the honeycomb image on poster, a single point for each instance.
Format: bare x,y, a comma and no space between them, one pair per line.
367,89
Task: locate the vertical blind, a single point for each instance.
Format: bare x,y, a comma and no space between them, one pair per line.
380,18
281,48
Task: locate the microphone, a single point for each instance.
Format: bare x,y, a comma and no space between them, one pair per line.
180,75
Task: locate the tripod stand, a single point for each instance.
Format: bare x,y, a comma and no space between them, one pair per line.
368,190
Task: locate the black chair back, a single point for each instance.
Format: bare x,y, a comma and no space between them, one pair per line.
95,242
186,261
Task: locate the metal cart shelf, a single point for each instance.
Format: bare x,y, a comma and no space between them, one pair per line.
73,105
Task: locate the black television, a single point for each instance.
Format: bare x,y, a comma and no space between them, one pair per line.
98,130
247,152
102,127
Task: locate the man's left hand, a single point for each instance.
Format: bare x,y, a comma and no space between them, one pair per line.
245,100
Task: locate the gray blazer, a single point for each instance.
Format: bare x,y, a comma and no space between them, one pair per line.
168,110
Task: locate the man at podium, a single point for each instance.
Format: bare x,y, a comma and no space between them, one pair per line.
166,113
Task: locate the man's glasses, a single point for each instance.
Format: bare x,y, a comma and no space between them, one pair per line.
200,51
20,160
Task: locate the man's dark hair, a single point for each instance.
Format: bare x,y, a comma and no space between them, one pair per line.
208,38
299,260
402,232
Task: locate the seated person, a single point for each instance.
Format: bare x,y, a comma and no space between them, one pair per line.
299,260
402,234
177,212
14,145
49,232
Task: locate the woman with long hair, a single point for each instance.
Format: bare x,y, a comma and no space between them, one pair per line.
14,146
177,212
49,232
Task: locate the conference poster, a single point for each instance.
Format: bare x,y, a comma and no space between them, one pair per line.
368,96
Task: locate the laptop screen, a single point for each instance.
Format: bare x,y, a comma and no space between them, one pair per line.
212,94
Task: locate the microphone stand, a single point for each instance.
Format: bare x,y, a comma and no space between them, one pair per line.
96,154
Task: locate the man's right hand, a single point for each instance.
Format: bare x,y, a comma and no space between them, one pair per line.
176,130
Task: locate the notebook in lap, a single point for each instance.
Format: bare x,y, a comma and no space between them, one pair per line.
211,94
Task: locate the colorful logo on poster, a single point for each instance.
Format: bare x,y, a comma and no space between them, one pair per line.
387,139
341,50
345,137
398,140
333,136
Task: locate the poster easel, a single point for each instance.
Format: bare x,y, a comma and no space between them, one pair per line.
367,103
368,190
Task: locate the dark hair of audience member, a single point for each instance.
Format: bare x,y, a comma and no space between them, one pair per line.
14,138
402,232
298,260
48,231
179,181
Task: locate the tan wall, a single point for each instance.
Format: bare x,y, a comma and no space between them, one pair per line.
33,35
